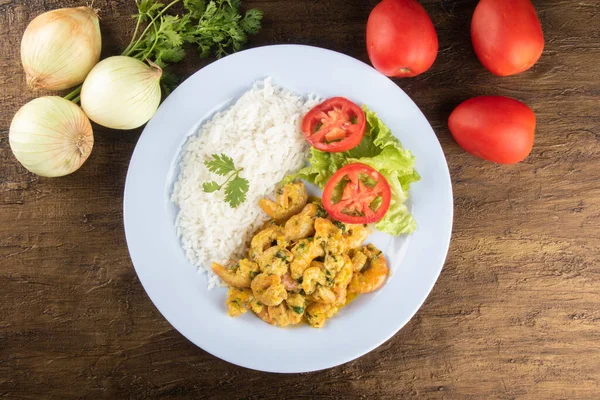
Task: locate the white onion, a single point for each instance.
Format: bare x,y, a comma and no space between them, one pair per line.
51,136
121,92
60,47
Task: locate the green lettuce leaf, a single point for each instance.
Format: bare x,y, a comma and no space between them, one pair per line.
381,150
398,219
321,167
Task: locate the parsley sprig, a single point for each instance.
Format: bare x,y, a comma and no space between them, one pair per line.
236,187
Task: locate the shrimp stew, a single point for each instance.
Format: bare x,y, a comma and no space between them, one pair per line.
303,265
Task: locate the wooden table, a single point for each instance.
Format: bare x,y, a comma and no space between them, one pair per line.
515,313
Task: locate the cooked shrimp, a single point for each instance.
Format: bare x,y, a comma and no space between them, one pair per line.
283,316
239,276
323,295
340,284
275,260
256,305
290,284
287,313
329,236
335,262
313,275
374,276
318,313
280,315
238,301
263,313
304,252
264,240
296,302
301,225
359,260
268,289
356,235
291,198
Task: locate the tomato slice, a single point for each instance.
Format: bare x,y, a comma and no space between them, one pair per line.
359,185
335,125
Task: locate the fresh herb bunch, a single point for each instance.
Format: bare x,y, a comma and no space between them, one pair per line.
236,187
215,26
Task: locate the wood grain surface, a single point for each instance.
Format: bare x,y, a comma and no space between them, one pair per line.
515,313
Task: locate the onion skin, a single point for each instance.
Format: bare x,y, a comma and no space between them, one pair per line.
121,92
51,136
60,47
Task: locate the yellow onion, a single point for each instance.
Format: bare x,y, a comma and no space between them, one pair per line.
51,136
121,92
60,47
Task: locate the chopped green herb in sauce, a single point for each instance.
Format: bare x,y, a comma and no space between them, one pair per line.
321,213
340,225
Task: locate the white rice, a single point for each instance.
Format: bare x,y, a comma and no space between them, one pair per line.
261,133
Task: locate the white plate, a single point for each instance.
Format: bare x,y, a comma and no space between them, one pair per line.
181,294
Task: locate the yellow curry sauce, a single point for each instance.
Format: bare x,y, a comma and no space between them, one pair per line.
302,266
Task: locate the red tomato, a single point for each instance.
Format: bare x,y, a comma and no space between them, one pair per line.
495,128
401,39
507,35
363,185
335,125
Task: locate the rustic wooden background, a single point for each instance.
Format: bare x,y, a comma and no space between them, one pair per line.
515,313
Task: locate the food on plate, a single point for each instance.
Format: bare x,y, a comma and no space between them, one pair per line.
309,259
51,136
495,128
357,194
261,135
290,200
337,124
121,92
401,39
60,47
236,187
284,255
383,152
507,35
302,267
